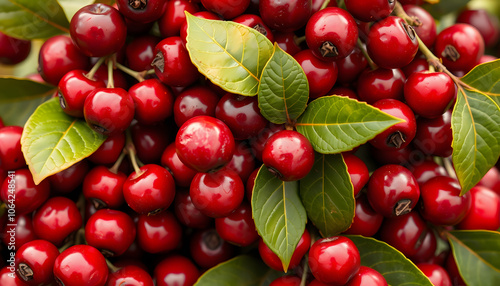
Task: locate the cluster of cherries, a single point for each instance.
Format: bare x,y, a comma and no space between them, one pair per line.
181,204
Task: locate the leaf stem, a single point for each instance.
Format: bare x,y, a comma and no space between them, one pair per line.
91,73
139,76
362,47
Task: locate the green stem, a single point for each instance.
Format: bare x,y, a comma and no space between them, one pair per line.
139,76
325,4
94,69
151,71
118,162
362,47
303,280
132,153
111,81
111,266
449,168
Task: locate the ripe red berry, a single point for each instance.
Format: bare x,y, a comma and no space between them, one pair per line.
272,260
183,175
434,136
13,50
68,180
81,265
426,30
193,101
255,22
321,75
228,9
9,278
20,191
368,11
238,227
487,24
366,221
176,270
173,18
208,249
153,101
130,275
109,151
380,83
484,212
158,233
285,16
358,172
187,213
436,274
11,156
367,276
35,262
287,280
142,11
104,188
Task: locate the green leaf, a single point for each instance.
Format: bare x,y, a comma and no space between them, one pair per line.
280,217
20,89
392,264
17,113
477,254
70,7
231,55
475,124
328,196
241,270
53,141
484,78
283,90
32,19
336,124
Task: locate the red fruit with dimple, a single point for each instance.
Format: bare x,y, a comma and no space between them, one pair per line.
254,21
7,278
35,262
140,52
208,249
176,270
487,24
81,265
142,11
369,11
11,155
104,188
153,101
426,30
130,275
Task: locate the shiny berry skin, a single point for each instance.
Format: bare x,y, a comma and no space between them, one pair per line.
459,46
380,83
393,190
285,16
337,254
321,75
358,172
130,275
204,143
193,101
351,66
35,262
11,156
153,101
243,162
368,11
417,65
19,234
104,188
272,260
69,179
8,278
484,212
487,24
109,151
238,227
172,63
173,18
452,269
176,270
141,11
427,29
331,34
110,231
150,191
58,56
98,30
228,9
187,213
434,136
254,21
392,43
217,194
287,280
19,190
151,140
81,265
158,233
208,249
241,114
109,111
367,276
289,155
182,174
366,221
491,180
425,170
429,94
400,135
426,248
13,50
140,52
258,142
287,42
73,89
441,203
436,274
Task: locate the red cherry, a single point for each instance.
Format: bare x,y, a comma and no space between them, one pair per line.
258,142
193,101
320,75
9,278
272,260
153,101
287,280
173,18
436,274
487,24
366,221
426,31
20,234
109,151
176,270
367,276
285,16
183,175
380,83
351,66
35,262
491,180
151,140
434,136
368,11
238,227
484,212
287,42
358,172
425,170
11,156
208,249
13,50
254,21
158,233
228,9
140,52
141,11
19,191
187,213
69,179
104,188
81,265
130,275
243,162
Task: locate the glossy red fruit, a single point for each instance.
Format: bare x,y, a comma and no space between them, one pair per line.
243,162
20,192
452,269
150,190
287,280
13,50
366,221
109,111
487,24
140,52
344,91
285,16
73,88
228,9
58,56
11,155
193,101
98,30
491,180
153,101
321,75
172,63
204,143
436,274
158,233
208,249
272,260
81,265
400,135
331,34
429,94
254,21
173,18
151,140
368,11
367,276
351,66
425,170
337,254
434,136
484,212
441,203
35,262
20,233
426,248
417,65
9,278
141,11
183,175
68,180
130,275
289,155
392,43
176,270
358,172
187,213
287,42
250,184
426,29
109,151
104,188
380,83
258,142
238,227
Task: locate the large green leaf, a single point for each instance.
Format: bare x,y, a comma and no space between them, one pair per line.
336,124
241,270
20,89
392,264
475,124
53,141
284,89
32,19
280,217
327,194
477,254
484,78
17,113
70,7
231,55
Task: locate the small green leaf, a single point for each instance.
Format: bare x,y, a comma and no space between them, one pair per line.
280,217
17,113
328,196
475,124
32,19
336,124
392,264
484,78
241,270
231,55
477,254
283,90
20,89
70,7
53,141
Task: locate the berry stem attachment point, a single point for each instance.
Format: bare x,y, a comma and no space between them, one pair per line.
139,76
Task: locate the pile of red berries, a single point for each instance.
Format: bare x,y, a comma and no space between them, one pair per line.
182,203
